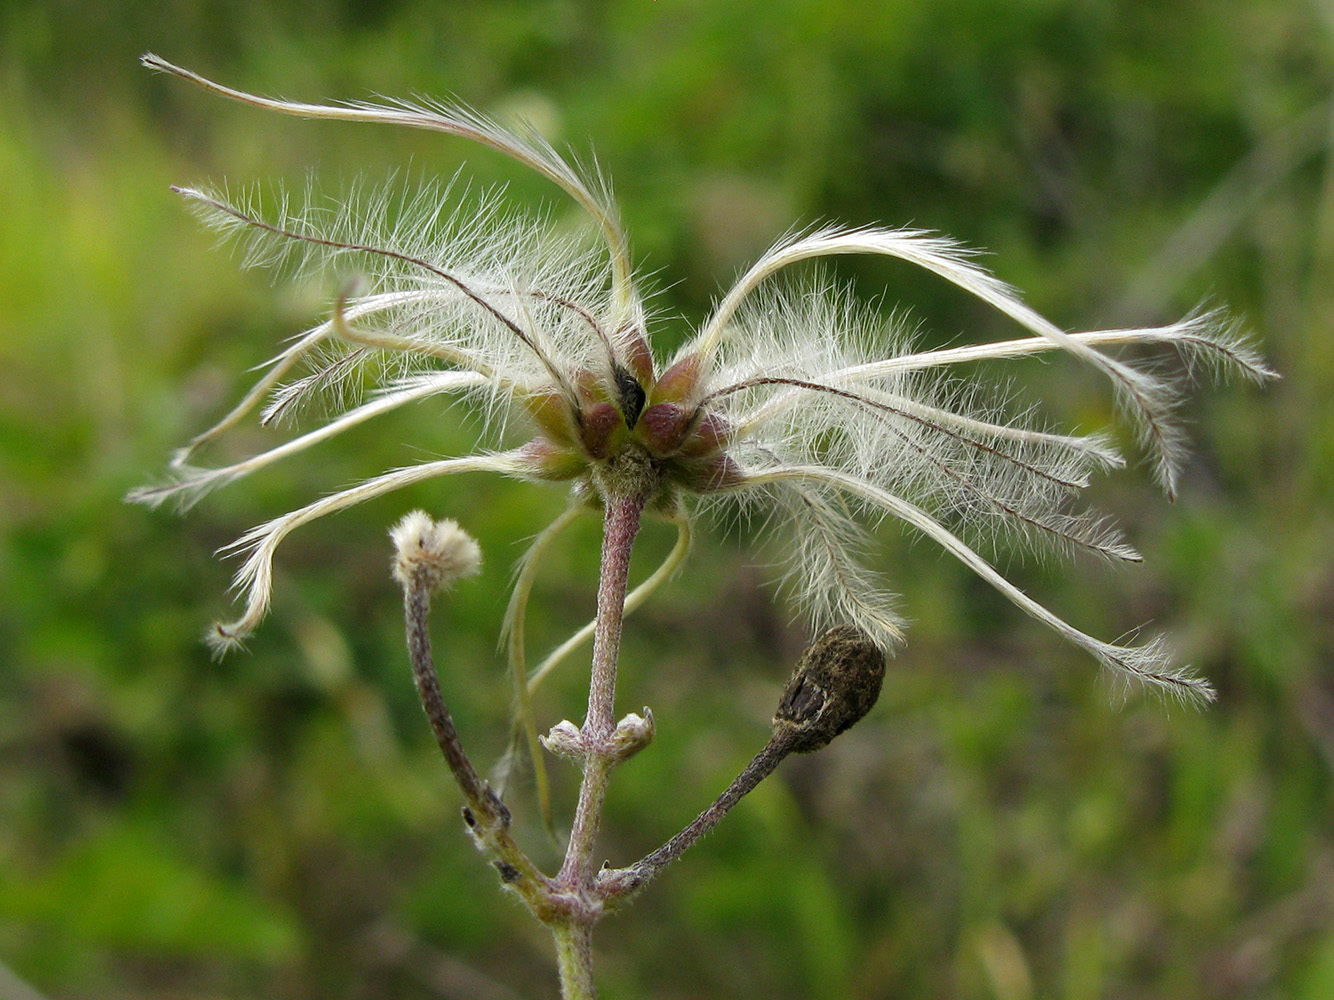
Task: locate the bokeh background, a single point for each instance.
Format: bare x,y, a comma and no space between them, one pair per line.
278,824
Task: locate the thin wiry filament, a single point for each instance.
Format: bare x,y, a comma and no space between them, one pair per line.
1149,400
531,150
552,369
525,726
1150,663
1103,543
882,406
255,577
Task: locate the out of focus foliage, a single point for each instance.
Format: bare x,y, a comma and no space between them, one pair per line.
277,825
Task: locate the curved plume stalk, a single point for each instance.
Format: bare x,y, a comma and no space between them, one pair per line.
255,577
1149,402
1148,664
529,148
192,484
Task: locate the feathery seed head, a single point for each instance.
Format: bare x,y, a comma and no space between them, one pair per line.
793,400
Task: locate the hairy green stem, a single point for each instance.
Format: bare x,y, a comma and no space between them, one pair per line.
574,957
621,527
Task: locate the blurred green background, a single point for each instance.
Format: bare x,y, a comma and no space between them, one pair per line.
279,825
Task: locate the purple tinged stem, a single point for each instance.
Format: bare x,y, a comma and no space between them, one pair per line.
621,525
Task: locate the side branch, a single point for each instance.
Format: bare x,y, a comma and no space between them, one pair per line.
832,687
621,883
486,816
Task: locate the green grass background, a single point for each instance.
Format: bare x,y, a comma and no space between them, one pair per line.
279,825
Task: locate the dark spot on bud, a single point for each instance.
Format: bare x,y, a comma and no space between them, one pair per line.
469,820
833,685
632,395
508,873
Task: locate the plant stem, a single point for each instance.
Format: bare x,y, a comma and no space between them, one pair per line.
620,528
575,882
834,684
574,957
616,886
417,608
760,767
487,817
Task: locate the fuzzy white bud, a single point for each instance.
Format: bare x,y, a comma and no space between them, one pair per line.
565,740
432,553
632,734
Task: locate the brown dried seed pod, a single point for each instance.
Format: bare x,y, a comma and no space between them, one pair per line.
833,685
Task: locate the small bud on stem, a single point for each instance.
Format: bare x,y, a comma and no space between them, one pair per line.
433,553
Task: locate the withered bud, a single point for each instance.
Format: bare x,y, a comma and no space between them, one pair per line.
833,685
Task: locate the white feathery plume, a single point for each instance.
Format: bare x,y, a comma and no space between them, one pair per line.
255,577
793,402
